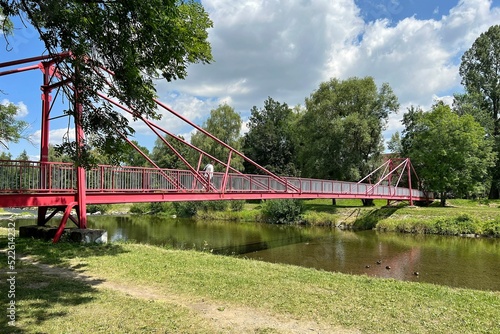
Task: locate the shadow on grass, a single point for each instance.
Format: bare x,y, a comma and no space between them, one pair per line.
327,208
42,291
370,220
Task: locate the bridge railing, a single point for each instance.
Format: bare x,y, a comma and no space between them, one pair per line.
56,177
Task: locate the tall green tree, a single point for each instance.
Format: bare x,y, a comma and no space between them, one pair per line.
131,157
341,129
480,71
138,41
225,124
450,153
11,129
271,141
164,157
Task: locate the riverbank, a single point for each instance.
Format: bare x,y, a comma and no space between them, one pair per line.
471,218
122,287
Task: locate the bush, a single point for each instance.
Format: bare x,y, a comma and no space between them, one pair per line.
463,224
283,211
160,207
492,228
237,205
186,209
139,208
214,205
102,208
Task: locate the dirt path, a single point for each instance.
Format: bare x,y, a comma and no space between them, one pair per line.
227,318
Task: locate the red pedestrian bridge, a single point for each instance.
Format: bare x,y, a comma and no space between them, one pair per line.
56,186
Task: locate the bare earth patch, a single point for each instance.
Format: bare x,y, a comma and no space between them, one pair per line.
227,318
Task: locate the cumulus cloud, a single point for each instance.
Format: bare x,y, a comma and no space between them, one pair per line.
284,49
56,136
22,109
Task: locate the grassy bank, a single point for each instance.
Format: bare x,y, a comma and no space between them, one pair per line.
459,217
144,289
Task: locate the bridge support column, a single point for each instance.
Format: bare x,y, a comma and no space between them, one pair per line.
80,171
44,144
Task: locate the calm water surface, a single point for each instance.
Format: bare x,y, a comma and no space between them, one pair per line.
453,261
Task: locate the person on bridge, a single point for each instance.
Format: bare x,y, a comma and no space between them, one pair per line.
209,173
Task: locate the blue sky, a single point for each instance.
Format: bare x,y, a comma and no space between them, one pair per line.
285,49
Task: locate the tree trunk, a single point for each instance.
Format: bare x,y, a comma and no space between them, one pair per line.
334,201
367,202
494,191
443,199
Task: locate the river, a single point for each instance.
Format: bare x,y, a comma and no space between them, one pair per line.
444,260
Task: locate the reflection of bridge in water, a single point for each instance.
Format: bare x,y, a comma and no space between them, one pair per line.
64,187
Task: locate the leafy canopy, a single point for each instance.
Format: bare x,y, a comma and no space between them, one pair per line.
450,153
225,124
341,130
138,41
271,141
480,71
11,129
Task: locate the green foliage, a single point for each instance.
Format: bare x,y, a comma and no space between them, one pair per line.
164,156
283,211
139,208
214,205
450,153
236,205
341,129
186,209
131,157
463,224
492,228
161,207
136,40
102,208
481,79
152,208
225,124
479,71
11,129
271,140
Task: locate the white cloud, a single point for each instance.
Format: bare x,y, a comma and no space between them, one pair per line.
22,109
284,49
56,136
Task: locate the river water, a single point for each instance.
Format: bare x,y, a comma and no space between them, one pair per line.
453,261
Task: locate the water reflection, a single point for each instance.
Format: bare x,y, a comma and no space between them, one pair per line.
453,261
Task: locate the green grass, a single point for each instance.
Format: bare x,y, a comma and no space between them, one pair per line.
370,305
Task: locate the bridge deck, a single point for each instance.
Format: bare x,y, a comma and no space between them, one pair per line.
32,184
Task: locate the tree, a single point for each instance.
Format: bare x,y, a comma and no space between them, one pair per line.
136,40
480,72
225,124
164,157
341,129
394,144
131,157
271,141
450,153
23,156
10,129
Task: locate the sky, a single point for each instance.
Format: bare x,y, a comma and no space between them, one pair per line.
284,49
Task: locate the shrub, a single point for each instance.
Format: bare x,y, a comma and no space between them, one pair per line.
214,205
463,224
237,205
139,208
492,228
160,207
186,209
102,208
283,211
